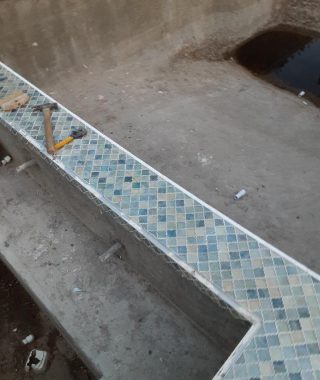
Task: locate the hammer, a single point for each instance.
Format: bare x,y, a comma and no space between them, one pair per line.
47,109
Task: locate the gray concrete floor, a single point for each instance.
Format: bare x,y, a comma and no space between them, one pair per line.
215,129
118,322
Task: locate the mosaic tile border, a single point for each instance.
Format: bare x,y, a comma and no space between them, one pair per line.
280,296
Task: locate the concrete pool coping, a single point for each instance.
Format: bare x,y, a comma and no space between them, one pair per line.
198,277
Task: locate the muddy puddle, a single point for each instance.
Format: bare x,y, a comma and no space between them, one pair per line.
288,58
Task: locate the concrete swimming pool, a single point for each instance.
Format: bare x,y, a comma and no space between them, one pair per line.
221,275
191,294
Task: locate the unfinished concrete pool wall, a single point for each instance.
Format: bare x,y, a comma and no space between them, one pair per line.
78,34
225,325
301,13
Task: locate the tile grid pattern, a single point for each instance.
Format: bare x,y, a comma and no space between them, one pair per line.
284,296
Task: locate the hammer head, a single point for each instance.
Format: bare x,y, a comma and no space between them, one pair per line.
50,106
79,132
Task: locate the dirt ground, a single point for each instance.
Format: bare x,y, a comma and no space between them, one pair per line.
19,317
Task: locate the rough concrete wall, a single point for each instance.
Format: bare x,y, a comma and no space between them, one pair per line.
304,13
217,323
108,31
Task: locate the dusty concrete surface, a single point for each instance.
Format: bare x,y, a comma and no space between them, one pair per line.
118,322
19,317
214,128
304,13
71,34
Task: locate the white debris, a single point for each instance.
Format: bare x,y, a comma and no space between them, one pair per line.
204,160
6,160
100,97
25,166
37,361
35,44
301,94
39,251
28,339
240,194
76,290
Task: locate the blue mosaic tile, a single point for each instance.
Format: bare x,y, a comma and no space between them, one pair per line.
281,296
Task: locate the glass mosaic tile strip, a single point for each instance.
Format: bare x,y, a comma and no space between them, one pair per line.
281,295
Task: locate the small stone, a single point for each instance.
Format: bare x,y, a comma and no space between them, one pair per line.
35,44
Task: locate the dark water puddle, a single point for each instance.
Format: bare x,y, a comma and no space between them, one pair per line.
289,59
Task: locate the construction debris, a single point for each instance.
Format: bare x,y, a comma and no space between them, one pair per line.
28,339
110,252
6,160
25,165
13,101
240,194
37,361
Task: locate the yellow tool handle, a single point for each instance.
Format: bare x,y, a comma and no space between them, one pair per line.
64,142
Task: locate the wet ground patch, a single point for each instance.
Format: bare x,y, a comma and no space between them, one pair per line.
286,57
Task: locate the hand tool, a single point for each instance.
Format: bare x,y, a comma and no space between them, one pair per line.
76,133
13,101
47,109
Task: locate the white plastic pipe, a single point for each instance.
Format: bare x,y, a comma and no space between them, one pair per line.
25,166
240,194
110,252
6,160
